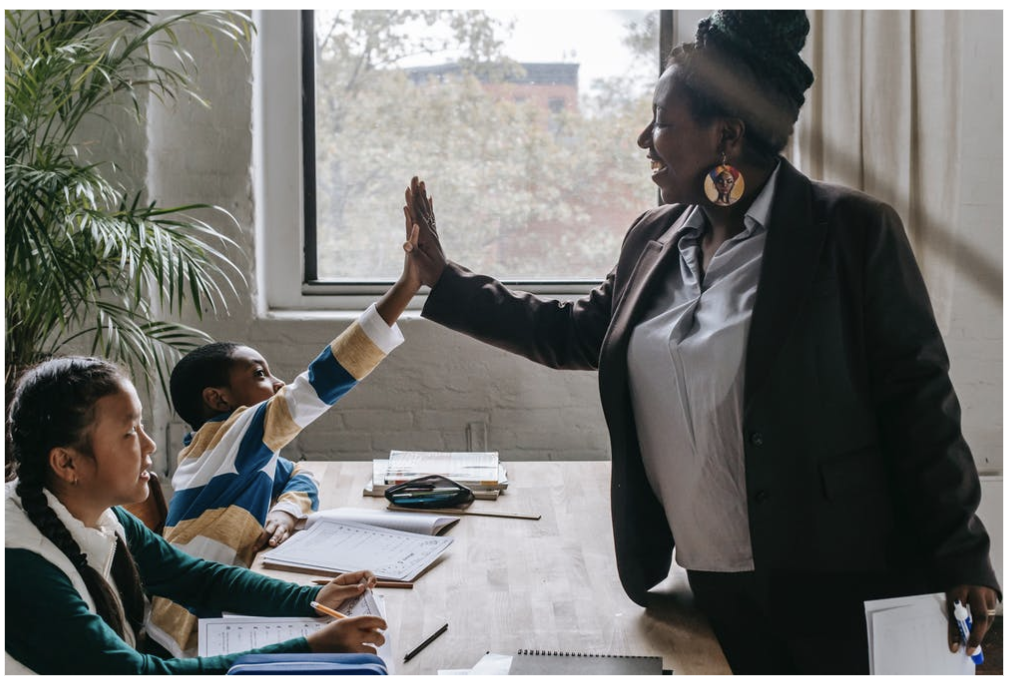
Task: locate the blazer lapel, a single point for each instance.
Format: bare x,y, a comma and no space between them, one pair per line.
790,262
644,275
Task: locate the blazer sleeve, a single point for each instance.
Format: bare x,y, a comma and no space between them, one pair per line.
918,413
554,333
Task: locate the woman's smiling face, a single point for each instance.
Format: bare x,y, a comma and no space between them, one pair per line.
680,149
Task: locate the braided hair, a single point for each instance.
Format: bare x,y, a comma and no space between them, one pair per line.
54,406
746,64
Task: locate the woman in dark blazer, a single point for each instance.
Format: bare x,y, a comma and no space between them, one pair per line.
774,382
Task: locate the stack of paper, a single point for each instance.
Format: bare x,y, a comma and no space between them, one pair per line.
909,635
480,471
334,546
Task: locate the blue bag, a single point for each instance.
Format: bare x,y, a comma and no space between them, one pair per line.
308,664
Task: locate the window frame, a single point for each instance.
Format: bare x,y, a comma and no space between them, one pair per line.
284,158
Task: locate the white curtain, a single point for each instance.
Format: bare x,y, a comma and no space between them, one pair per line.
884,117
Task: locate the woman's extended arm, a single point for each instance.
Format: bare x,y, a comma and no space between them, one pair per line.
558,334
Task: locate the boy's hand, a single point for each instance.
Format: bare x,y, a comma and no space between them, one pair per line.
393,303
410,278
359,634
277,528
344,587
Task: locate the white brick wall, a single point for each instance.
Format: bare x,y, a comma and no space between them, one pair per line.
428,391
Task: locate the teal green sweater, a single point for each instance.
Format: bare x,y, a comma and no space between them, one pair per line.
50,629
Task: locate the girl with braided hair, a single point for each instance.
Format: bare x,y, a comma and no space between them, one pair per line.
782,421
80,570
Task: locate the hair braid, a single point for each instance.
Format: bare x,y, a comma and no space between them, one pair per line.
35,505
124,573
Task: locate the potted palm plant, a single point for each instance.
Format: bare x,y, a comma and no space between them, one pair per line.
91,263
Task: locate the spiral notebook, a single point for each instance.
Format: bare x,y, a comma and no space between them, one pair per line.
528,662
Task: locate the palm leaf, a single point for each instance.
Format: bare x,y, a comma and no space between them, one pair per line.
86,259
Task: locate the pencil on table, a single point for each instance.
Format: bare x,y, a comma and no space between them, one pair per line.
380,584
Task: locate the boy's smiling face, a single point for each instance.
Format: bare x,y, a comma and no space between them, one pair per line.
250,380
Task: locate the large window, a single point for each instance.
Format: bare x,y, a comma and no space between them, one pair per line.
523,125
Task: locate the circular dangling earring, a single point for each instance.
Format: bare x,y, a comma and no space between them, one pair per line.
724,185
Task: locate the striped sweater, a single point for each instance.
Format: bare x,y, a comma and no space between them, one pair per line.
230,471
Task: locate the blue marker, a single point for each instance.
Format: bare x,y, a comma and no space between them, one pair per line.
965,623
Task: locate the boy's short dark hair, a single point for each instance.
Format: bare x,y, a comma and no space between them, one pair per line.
206,366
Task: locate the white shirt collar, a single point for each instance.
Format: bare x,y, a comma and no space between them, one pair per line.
98,543
762,206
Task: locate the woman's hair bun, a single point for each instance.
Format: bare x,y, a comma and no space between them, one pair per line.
768,41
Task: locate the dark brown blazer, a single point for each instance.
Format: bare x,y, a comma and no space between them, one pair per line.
854,458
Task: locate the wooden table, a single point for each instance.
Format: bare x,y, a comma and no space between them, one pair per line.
549,584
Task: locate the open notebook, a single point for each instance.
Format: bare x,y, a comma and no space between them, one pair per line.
335,546
419,523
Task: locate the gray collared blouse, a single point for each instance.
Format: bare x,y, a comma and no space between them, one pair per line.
686,375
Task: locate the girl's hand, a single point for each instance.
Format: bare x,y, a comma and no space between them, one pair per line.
344,587
425,252
358,634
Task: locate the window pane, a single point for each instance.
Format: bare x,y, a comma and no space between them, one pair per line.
523,129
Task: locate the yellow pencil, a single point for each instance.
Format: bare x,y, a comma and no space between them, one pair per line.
380,584
327,611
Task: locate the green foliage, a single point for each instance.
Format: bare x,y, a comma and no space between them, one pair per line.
88,260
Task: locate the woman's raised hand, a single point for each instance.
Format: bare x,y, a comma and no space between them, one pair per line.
359,634
425,259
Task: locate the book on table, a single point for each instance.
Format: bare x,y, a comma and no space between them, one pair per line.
536,662
479,471
334,546
418,523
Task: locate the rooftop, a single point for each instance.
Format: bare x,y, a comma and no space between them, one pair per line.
535,73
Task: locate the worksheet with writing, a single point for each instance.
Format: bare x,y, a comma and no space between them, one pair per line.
335,546
236,633
220,636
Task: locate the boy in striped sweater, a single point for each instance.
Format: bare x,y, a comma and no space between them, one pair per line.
234,492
